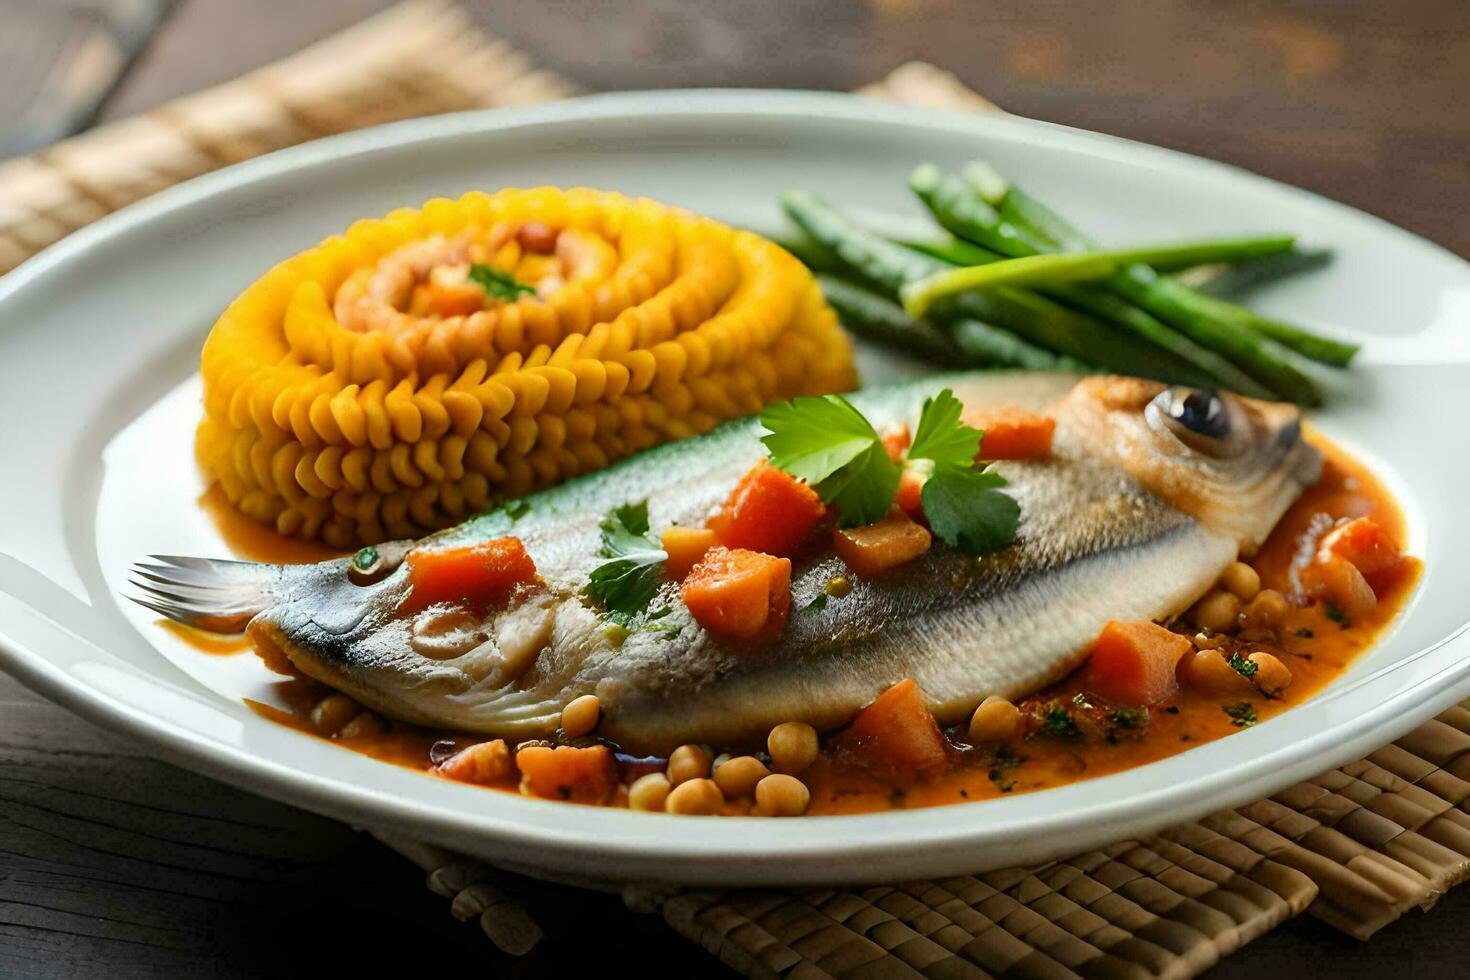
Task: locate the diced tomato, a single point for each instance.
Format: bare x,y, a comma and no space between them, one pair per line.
770,511
739,593
910,497
1134,663
874,549
480,576
685,546
896,733
565,772
897,441
1011,432
1365,545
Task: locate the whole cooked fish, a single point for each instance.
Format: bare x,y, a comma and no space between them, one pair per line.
1151,491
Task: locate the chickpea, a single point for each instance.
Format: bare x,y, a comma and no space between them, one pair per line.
793,747
1241,580
737,777
695,797
581,716
1267,609
996,720
1272,676
1218,612
332,712
780,795
688,762
1209,671
366,723
649,792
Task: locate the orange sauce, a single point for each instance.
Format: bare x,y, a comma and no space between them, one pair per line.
1316,648
215,644
254,541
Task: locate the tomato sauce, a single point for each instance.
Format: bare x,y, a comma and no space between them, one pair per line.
1314,642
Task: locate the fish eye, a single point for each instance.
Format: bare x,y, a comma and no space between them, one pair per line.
1202,412
1198,417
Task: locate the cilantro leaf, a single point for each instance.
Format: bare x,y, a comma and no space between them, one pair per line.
1242,715
941,437
498,283
828,443
968,511
1242,666
629,580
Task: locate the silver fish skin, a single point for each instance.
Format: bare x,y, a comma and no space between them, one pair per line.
1133,517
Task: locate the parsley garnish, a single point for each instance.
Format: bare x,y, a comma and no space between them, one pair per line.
1129,717
1336,614
1242,715
628,581
498,283
1242,666
829,444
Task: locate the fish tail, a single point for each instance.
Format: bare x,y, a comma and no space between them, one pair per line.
212,594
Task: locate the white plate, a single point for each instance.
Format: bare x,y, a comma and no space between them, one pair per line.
95,331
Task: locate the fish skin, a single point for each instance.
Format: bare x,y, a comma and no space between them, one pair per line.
1096,543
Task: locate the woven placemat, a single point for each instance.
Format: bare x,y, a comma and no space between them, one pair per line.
1356,846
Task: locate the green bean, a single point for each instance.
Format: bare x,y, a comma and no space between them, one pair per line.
1064,267
959,208
1236,280
875,318
1033,318
1272,364
1042,225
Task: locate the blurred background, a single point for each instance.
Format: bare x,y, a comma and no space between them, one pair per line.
1361,100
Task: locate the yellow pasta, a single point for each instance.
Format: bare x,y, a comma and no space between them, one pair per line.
372,388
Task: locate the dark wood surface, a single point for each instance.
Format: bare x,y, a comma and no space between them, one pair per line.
112,864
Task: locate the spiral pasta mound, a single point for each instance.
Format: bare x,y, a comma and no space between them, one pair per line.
423,367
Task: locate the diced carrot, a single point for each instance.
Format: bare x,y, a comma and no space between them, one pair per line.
1011,432
769,510
482,763
897,441
874,549
685,547
566,772
739,593
910,497
480,575
1365,545
896,733
1333,578
1134,663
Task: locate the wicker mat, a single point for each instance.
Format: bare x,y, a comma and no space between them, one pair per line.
1355,847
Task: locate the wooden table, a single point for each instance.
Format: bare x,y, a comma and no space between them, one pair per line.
114,864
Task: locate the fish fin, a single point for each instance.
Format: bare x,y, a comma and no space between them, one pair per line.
211,594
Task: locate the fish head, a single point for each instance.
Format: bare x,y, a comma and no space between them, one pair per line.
1233,463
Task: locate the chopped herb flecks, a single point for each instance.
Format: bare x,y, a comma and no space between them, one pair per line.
1058,723
1003,767
1336,614
1242,715
816,605
1242,666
